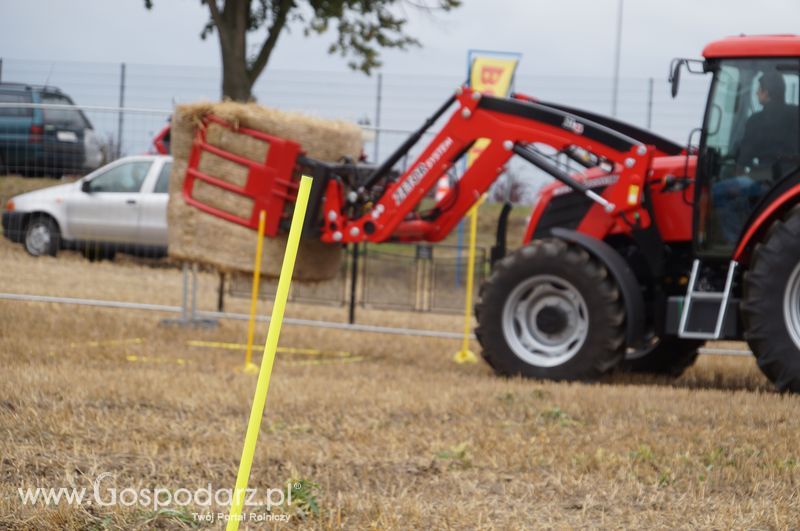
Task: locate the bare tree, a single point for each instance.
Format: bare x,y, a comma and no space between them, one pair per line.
512,187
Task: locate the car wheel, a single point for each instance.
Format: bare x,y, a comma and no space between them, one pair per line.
42,237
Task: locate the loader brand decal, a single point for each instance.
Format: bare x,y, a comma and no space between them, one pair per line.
491,74
422,169
607,180
571,124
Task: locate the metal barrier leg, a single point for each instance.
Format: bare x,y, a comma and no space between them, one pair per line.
353,284
194,291
221,293
185,293
189,315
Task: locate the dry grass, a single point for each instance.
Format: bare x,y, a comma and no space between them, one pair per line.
401,439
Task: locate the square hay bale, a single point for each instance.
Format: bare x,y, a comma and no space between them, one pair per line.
196,236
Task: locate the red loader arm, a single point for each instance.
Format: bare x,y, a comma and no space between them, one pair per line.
511,126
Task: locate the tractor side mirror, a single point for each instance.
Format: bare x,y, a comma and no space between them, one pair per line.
694,66
675,75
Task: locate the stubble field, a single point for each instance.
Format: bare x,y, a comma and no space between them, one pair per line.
381,431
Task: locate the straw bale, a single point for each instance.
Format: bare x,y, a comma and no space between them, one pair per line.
200,237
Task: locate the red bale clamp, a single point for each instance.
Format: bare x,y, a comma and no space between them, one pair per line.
270,183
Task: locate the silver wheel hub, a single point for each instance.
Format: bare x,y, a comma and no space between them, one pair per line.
545,321
37,239
791,306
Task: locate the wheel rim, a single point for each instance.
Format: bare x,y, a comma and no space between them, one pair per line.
37,239
545,321
791,306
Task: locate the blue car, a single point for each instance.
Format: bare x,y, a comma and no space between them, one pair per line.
39,141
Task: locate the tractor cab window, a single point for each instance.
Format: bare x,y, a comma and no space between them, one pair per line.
751,143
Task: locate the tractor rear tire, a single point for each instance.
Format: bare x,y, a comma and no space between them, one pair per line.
551,310
670,357
771,303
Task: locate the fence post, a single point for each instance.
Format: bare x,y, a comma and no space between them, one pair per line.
221,293
185,294
650,103
378,99
194,292
351,317
121,105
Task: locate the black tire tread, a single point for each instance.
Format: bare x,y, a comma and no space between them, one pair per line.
671,357
771,264
612,349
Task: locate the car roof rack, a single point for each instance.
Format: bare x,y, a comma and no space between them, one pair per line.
29,86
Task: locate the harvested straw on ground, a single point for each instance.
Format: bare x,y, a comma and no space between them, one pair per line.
200,237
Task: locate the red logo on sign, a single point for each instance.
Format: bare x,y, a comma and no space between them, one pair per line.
490,75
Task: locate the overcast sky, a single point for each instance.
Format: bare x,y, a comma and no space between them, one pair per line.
564,37
560,40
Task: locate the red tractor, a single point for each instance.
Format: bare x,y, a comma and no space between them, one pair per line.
643,250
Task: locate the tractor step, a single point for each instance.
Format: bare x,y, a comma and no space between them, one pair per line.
707,314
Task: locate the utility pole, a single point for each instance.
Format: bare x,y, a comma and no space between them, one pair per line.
376,153
121,105
615,90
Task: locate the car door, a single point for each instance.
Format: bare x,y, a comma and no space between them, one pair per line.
153,211
108,206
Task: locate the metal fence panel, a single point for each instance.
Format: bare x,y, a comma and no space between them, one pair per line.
390,277
449,279
328,292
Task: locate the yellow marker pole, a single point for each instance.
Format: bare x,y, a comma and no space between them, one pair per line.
465,355
249,366
270,347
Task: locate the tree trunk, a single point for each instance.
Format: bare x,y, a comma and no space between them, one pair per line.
237,82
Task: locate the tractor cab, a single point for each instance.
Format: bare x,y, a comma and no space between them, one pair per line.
750,141
748,170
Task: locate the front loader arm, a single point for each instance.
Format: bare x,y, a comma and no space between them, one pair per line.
510,126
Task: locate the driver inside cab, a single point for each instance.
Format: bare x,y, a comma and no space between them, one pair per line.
770,138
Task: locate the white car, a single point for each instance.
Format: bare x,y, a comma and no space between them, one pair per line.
119,207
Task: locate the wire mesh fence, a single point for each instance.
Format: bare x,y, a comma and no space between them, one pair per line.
101,113
447,278
388,101
404,277
391,278
329,292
